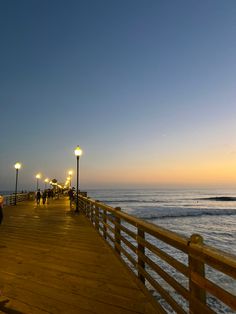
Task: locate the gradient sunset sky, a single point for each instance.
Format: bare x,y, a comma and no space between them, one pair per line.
146,88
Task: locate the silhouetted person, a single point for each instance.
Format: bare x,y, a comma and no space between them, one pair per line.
71,196
38,196
50,194
1,207
44,196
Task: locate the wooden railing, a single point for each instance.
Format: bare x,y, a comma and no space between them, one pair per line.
181,272
10,199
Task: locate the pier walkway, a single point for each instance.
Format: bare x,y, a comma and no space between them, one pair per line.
53,261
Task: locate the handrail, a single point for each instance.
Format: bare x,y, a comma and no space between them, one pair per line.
183,284
20,197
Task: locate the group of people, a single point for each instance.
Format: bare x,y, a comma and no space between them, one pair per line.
46,194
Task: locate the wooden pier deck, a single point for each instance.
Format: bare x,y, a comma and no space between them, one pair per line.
52,261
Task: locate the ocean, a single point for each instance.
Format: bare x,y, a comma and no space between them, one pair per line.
6,192
210,213
185,211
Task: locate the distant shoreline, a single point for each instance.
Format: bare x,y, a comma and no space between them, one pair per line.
219,198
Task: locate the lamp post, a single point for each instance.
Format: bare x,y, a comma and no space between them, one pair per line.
17,167
70,175
38,176
78,153
46,182
68,182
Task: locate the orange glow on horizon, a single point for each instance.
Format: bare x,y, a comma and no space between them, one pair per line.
204,172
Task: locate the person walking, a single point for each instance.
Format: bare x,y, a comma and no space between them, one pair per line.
71,196
44,196
38,196
1,207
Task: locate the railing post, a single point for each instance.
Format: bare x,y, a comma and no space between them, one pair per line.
104,224
92,213
12,199
97,217
117,232
141,249
195,266
80,205
86,207
90,208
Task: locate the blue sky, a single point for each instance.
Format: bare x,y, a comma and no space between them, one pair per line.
146,88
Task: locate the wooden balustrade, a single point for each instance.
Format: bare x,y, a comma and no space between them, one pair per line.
10,199
153,253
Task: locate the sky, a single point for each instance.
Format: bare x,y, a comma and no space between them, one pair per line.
146,88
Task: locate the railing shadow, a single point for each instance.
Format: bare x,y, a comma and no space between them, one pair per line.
7,310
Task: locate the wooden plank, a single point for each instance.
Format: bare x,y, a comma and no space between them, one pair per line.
167,258
196,291
162,273
170,237
165,294
222,261
53,261
221,294
141,255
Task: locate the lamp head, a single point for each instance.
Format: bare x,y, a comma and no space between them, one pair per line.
46,180
17,165
38,176
78,151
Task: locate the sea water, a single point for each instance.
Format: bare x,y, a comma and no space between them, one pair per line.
184,211
6,192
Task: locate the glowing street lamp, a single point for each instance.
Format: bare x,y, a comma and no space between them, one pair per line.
78,153
17,167
38,176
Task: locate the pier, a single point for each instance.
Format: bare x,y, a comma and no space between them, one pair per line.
53,261
104,261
